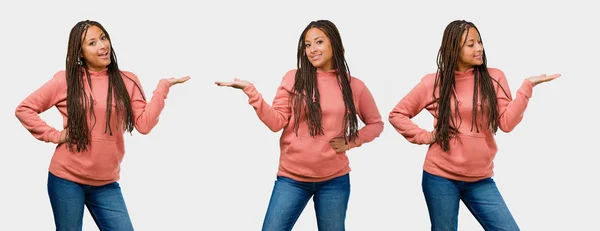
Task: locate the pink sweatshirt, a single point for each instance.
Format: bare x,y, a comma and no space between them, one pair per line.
471,156
311,159
100,163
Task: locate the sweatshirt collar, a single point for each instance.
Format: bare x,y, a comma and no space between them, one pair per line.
97,74
467,73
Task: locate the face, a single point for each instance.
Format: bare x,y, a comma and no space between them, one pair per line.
96,49
471,53
318,49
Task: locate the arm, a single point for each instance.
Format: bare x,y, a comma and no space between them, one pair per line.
37,102
369,114
146,113
511,111
276,117
408,107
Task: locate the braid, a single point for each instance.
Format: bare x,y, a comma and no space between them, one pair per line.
306,97
79,104
447,59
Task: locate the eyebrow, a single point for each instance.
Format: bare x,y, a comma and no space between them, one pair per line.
313,39
92,39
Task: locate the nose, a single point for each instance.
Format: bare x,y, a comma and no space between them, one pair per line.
313,48
479,47
102,45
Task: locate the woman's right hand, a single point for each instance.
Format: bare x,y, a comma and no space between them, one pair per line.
237,83
433,139
64,136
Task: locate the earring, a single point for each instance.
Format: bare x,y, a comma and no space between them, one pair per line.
79,62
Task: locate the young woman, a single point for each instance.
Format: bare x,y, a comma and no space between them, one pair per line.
316,106
99,103
469,102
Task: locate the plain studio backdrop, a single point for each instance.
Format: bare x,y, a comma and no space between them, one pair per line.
210,163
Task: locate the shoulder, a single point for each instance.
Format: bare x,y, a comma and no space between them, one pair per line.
429,77
496,73
128,74
357,83
290,75
289,79
428,80
61,73
60,77
129,77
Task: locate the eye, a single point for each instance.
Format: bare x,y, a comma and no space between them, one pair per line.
320,42
92,43
103,37
307,45
470,45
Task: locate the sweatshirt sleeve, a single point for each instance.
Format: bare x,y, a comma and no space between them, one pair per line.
511,111
369,114
408,107
37,102
276,117
146,114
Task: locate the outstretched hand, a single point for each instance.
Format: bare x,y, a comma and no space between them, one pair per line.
237,83
174,81
542,78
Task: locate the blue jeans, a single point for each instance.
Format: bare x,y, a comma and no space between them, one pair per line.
105,204
482,198
289,198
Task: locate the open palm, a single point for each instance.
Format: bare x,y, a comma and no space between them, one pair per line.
542,78
174,81
236,83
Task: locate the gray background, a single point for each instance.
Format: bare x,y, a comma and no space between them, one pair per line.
210,163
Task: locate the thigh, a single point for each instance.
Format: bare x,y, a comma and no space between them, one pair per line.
443,199
107,206
331,203
287,202
67,200
487,205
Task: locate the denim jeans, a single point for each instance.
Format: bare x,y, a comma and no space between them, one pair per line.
105,204
482,198
289,198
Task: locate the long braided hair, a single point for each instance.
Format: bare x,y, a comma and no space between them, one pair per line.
447,59
306,98
79,104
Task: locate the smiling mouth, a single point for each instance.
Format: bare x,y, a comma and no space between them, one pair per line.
315,57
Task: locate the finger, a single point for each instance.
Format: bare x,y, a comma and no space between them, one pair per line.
225,84
554,76
183,79
236,79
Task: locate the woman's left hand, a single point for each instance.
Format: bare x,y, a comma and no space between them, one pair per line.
339,144
542,78
174,81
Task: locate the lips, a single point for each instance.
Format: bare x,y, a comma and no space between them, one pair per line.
315,57
104,55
